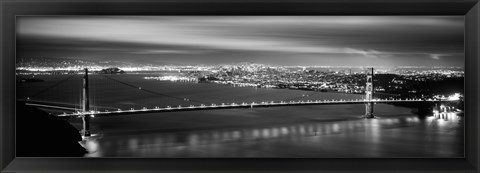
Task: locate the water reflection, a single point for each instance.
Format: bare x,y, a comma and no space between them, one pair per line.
379,134
446,116
92,145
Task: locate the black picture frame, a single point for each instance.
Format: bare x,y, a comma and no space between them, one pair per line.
10,8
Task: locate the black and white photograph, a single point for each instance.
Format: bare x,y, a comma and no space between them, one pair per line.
240,86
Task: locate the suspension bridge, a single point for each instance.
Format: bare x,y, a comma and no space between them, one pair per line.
86,112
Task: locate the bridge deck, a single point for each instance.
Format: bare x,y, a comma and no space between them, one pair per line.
77,113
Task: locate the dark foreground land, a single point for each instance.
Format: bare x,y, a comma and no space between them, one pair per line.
39,134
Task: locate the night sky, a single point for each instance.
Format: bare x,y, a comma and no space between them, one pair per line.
274,40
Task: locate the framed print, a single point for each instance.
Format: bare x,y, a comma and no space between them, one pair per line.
240,86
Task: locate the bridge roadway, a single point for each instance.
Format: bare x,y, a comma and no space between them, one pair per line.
233,106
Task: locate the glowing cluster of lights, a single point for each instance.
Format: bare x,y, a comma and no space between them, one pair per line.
455,96
239,84
74,68
172,78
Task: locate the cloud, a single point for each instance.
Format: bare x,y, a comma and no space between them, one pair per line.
176,34
170,52
435,56
368,53
371,37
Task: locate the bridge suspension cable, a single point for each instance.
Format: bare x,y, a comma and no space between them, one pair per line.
52,86
303,96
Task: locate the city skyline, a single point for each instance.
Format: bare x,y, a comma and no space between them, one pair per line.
276,40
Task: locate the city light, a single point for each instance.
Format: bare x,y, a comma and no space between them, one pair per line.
456,96
173,78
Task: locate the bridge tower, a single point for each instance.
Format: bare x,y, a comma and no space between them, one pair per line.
369,90
85,106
